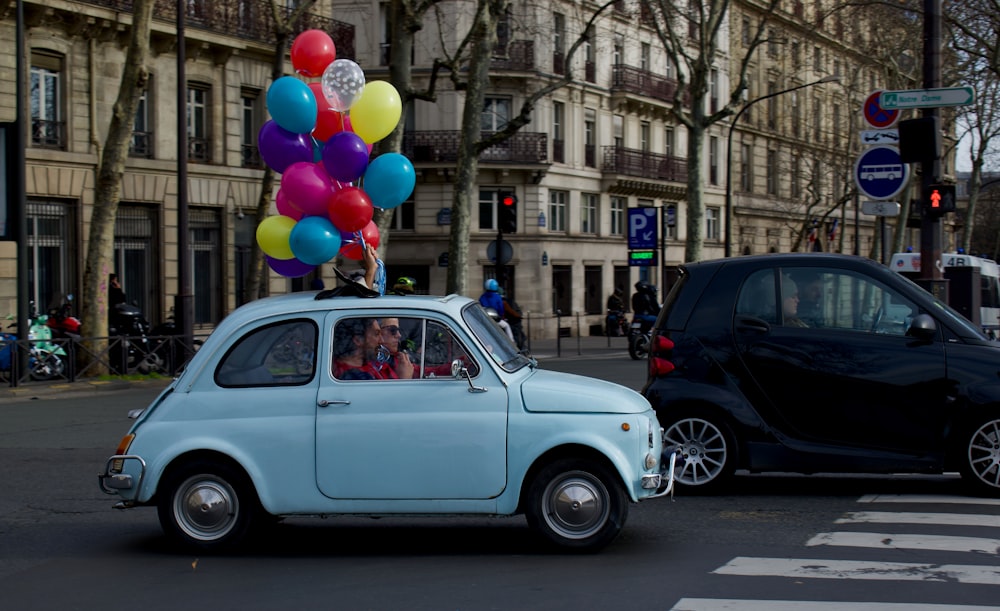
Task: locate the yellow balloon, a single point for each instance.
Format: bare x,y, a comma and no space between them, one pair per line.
272,236
377,111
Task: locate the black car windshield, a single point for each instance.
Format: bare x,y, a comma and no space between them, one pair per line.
962,326
493,338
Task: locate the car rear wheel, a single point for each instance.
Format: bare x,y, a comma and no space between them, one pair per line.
207,505
638,346
980,466
707,449
577,504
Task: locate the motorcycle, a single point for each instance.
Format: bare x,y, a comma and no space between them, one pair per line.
131,348
616,324
62,322
46,359
639,336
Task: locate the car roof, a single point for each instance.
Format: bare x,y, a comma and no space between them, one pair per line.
778,259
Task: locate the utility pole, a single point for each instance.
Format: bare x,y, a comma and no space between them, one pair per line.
932,275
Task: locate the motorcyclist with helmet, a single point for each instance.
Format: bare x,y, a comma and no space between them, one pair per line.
645,305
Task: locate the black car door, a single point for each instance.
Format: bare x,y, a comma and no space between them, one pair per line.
841,371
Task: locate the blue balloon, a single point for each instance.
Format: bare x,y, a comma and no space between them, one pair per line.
292,105
314,240
389,180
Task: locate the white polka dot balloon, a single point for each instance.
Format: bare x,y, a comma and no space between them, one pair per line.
343,81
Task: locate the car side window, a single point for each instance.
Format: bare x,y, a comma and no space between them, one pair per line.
837,299
282,354
756,297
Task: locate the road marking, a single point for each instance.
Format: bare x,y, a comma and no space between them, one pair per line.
897,541
817,568
927,498
730,604
904,517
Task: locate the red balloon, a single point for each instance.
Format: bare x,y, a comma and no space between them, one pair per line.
312,52
328,120
350,209
351,248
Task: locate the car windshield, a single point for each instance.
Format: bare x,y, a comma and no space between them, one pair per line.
961,325
493,338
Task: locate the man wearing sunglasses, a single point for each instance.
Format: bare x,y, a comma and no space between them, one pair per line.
398,365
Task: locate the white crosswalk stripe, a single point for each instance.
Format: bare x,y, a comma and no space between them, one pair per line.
975,573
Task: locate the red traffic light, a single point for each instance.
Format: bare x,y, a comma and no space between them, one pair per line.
510,200
935,199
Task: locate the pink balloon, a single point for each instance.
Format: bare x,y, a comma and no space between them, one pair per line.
287,207
309,186
350,209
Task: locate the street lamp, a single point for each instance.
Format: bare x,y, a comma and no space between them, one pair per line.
729,154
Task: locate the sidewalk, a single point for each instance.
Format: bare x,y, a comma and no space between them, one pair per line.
587,347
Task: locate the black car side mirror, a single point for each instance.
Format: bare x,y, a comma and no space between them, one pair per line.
922,327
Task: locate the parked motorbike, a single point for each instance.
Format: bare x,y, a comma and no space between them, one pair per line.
62,322
131,348
639,336
46,359
616,324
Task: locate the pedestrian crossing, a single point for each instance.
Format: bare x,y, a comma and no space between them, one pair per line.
880,529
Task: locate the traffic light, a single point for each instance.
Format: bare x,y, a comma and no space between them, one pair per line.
507,213
940,199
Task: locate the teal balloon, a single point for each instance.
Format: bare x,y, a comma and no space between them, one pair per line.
314,240
292,105
389,180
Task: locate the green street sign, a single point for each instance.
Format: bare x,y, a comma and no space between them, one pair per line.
927,98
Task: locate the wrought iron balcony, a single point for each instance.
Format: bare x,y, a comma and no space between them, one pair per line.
141,145
48,134
442,147
247,19
520,57
644,164
628,79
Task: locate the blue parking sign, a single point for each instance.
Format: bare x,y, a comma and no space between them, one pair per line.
880,172
642,230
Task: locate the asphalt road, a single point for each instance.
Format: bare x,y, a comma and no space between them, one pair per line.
62,546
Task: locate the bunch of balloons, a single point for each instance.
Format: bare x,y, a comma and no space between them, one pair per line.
319,138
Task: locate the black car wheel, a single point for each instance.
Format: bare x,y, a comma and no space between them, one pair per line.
207,505
577,504
707,449
980,466
638,346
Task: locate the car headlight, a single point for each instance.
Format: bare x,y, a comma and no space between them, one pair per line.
650,461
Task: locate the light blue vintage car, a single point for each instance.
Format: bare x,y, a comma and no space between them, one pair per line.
323,404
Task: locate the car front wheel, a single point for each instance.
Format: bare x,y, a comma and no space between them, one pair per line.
980,466
577,504
207,505
707,451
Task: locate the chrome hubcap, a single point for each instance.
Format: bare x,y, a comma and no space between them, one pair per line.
576,506
984,453
206,508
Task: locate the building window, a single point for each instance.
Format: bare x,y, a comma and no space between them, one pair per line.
745,34
746,168
796,178
817,59
796,114
558,43
618,215
796,55
251,122
496,114
644,136
669,143
48,129
141,144
593,302
713,160
488,201
588,213
836,120
404,216
198,121
818,120
590,137
557,210
772,106
711,223
206,273
772,172
644,56
558,136
136,260
618,50
562,286
713,84
52,250
772,43
589,59
618,127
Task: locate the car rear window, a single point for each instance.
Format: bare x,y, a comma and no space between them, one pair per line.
279,354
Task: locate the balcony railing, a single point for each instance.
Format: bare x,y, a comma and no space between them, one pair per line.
442,147
48,134
141,145
643,164
251,157
247,19
642,82
199,149
520,56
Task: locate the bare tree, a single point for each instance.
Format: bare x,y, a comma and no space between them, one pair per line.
108,191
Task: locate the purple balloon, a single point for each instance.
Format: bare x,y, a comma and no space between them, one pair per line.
280,148
345,156
289,268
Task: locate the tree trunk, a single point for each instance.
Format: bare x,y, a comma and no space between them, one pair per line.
695,195
107,193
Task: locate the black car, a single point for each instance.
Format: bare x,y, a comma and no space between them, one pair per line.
821,363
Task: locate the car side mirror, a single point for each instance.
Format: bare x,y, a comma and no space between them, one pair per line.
460,372
922,327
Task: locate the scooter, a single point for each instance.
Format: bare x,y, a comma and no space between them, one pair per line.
639,336
132,349
46,359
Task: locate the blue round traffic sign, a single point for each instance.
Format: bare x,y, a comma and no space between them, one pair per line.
875,115
880,172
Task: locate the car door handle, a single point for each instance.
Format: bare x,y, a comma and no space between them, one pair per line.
752,324
327,403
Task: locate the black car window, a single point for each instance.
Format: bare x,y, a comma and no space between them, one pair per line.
838,299
756,297
282,354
